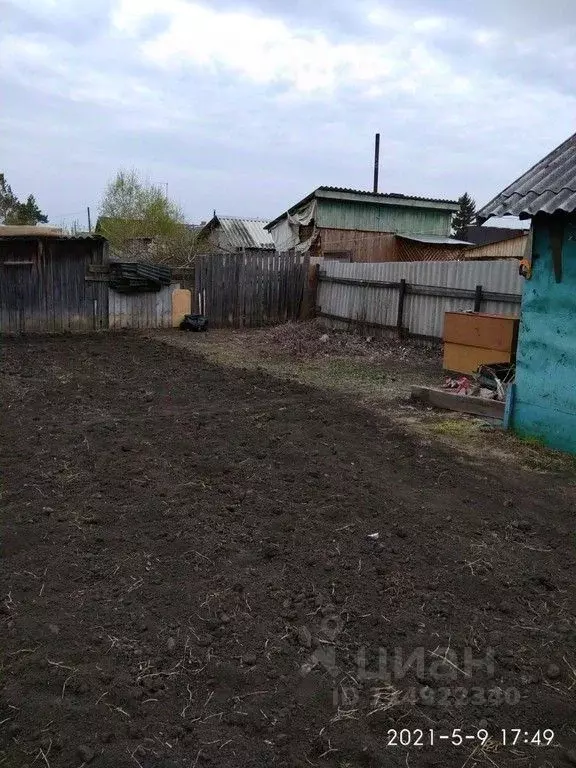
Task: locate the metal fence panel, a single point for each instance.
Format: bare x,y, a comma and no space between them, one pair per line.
423,314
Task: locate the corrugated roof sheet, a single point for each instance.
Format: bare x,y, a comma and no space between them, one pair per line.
548,187
364,192
434,240
246,233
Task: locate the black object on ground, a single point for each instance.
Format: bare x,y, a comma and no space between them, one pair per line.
194,323
487,375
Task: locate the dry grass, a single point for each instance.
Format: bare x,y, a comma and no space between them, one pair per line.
372,369
312,340
479,440
379,373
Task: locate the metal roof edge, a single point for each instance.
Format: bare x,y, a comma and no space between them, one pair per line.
386,198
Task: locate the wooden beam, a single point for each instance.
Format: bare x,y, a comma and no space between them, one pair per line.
478,406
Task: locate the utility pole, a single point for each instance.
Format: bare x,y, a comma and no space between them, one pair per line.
89,219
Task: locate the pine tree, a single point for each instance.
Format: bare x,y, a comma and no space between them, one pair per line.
466,215
12,211
8,199
27,213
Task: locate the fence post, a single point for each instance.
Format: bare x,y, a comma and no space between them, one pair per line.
477,298
400,315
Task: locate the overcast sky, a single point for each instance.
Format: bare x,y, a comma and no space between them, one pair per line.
245,106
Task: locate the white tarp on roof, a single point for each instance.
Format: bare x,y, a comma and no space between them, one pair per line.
286,233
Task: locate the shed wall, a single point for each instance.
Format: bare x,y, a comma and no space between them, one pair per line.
43,285
545,396
343,214
410,250
152,309
363,246
507,249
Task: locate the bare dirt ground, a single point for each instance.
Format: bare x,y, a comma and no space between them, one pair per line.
378,373
191,575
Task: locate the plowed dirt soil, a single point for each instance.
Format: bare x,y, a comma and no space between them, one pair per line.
205,566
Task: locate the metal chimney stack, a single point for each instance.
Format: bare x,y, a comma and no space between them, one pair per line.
376,161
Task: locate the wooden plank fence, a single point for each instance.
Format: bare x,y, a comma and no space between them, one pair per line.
250,290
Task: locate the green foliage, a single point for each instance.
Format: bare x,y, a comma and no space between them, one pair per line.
140,221
466,215
12,211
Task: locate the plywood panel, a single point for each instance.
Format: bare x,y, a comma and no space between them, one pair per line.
481,330
181,305
466,359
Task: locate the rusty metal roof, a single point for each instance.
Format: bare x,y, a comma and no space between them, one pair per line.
29,230
237,232
548,187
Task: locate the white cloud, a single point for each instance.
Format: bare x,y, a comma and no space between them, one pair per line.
246,110
60,69
269,51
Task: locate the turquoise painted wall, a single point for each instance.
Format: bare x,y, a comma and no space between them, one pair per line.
343,214
545,392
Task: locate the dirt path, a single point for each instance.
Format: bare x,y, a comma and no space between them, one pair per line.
189,577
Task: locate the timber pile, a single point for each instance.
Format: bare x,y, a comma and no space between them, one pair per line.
130,277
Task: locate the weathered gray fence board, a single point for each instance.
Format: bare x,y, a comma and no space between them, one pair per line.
250,290
141,310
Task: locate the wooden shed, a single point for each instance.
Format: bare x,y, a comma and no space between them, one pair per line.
49,282
353,225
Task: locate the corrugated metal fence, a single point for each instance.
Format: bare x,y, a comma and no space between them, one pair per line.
413,297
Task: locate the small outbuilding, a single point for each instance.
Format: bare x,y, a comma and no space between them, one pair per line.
542,402
230,234
488,243
354,225
51,282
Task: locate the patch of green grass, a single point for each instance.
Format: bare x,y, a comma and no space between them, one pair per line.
464,428
527,453
532,440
